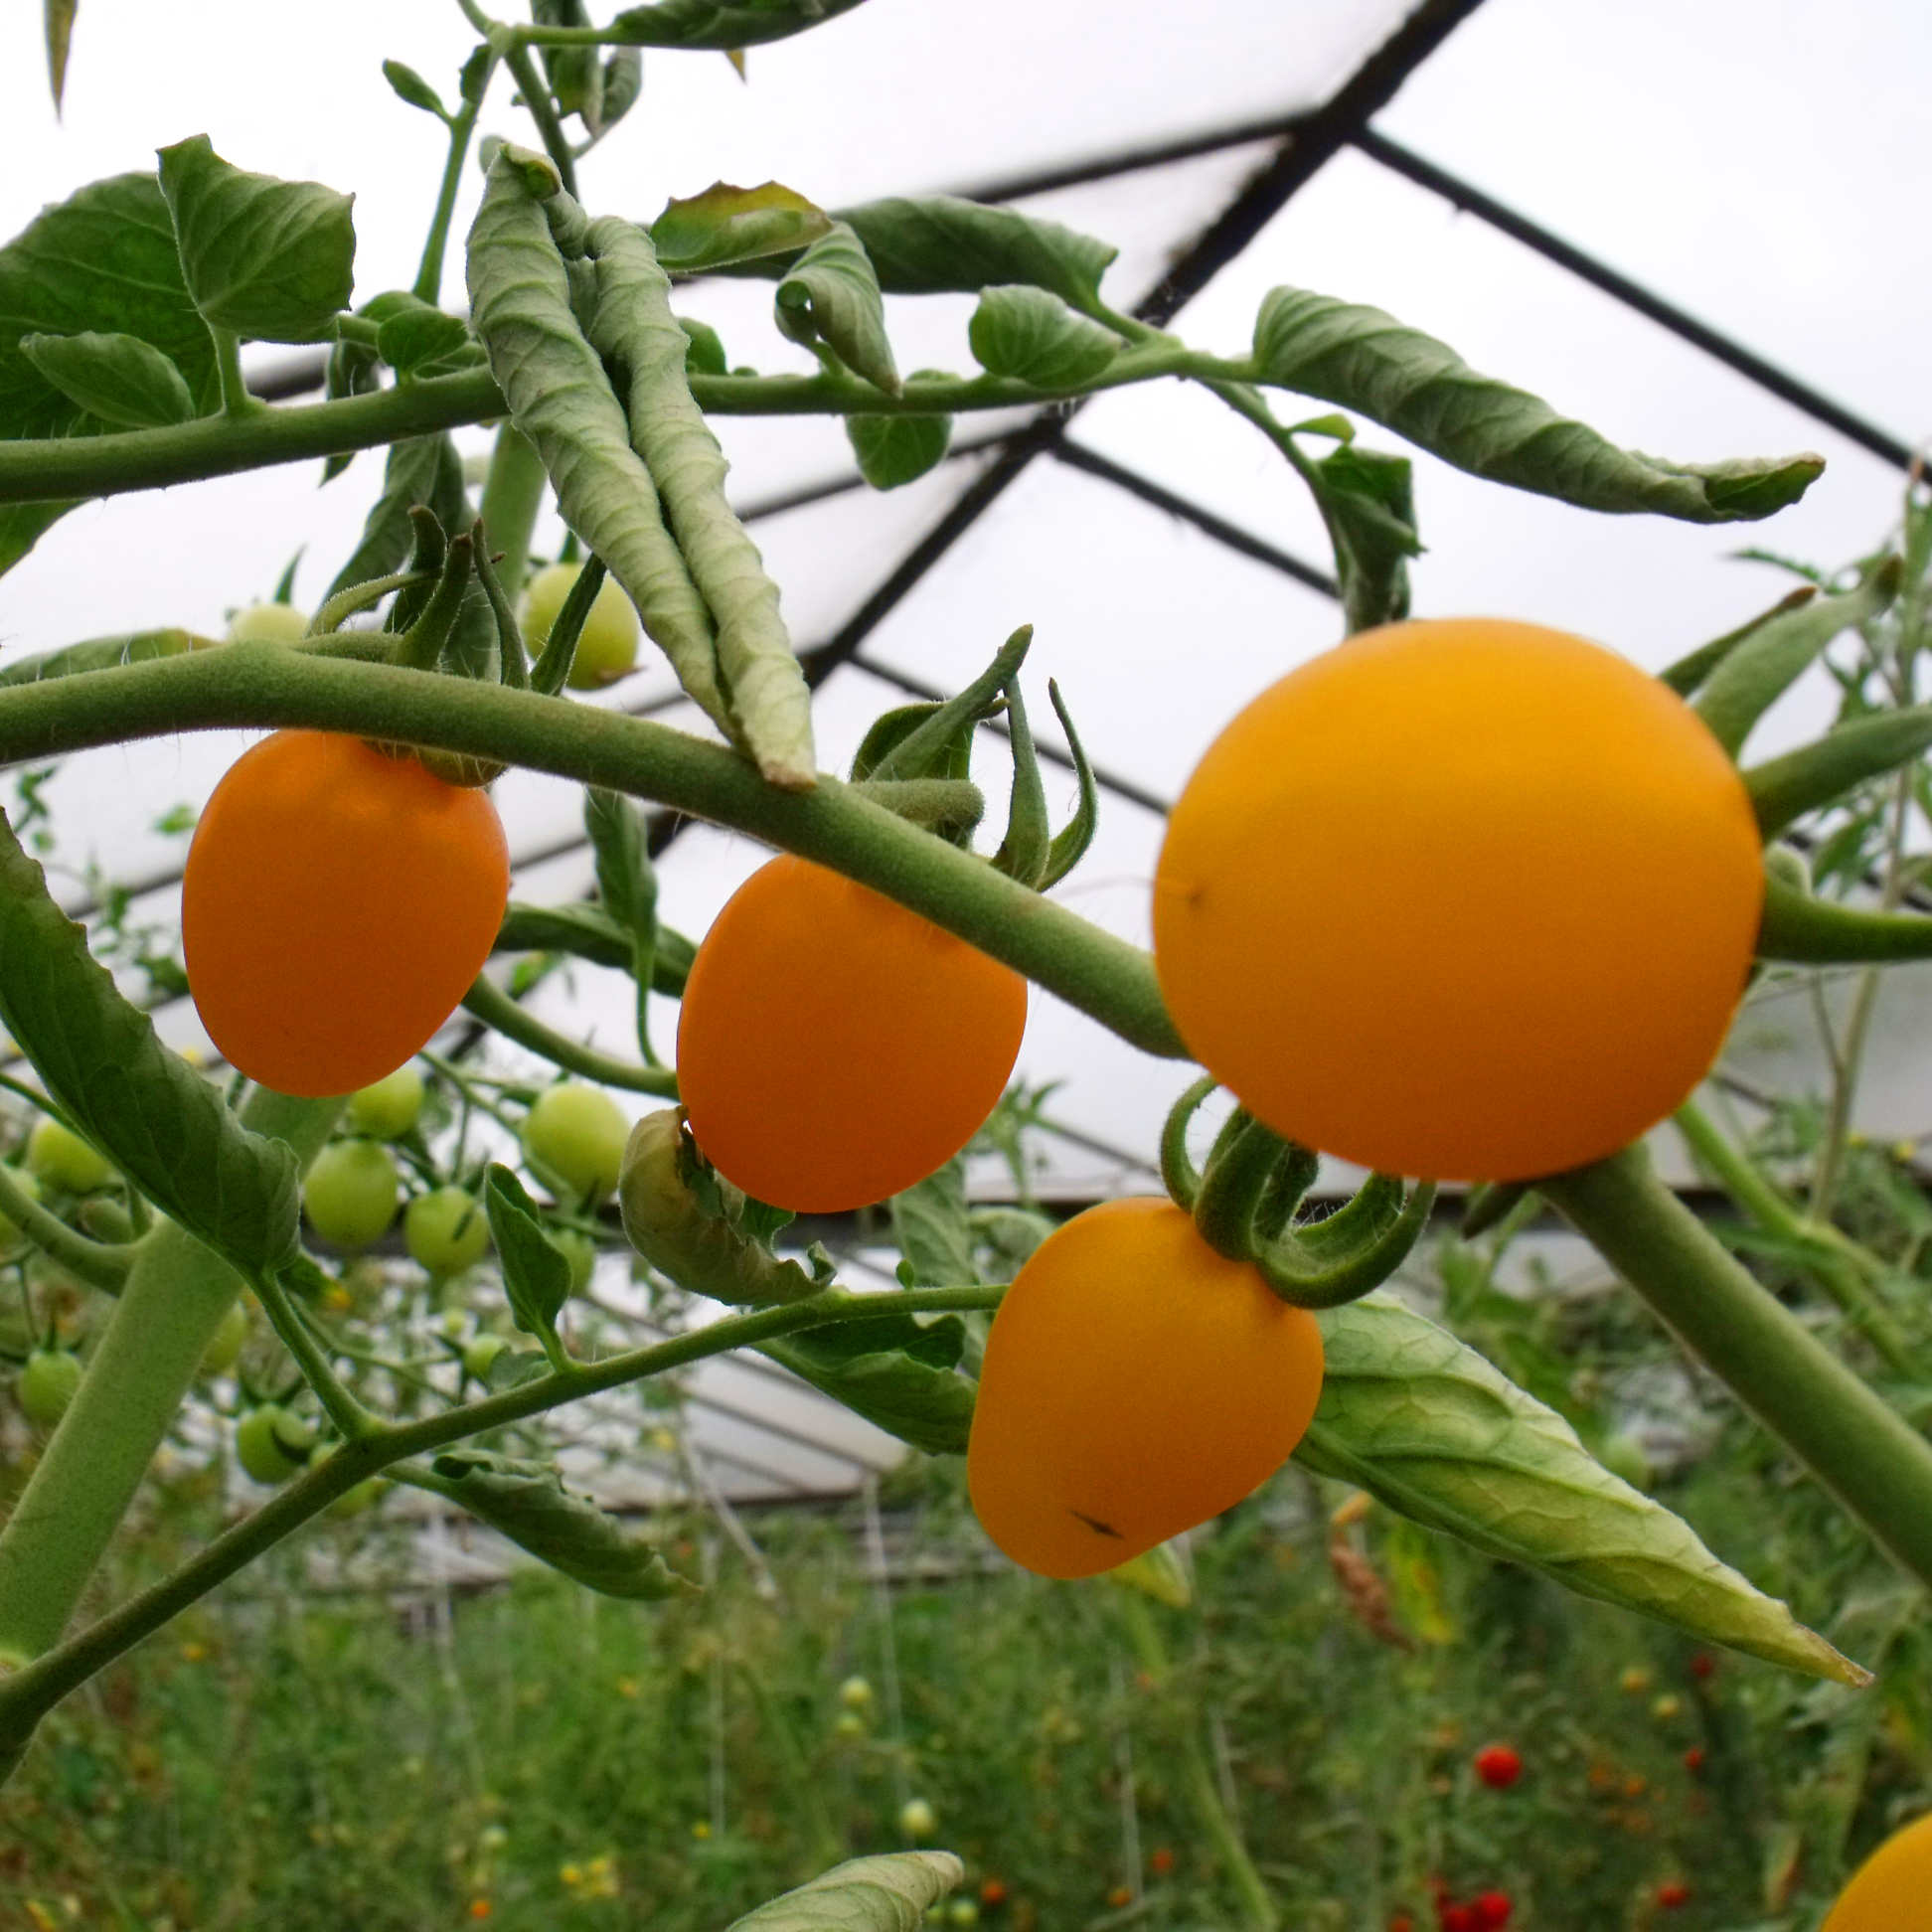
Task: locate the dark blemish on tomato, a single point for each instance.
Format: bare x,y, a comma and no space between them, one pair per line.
1099,1527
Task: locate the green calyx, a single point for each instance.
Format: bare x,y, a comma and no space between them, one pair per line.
1245,1197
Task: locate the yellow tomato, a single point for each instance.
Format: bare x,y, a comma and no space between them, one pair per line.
1890,1891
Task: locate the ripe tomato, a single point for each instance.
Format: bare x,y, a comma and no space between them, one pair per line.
1674,1892
576,1134
1887,1892
64,1160
445,1230
1465,899
1494,1910
1497,1766
350,1193
336,904
47,1385
1135,1384
834,1048
388,1109
606,645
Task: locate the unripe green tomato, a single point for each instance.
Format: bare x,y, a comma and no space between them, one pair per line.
918,1819
607,645
47,1385
962,1911
849,1723
581,1252
856,1694
28,1185
350,1192
479,1355
269,623
224,1344
576,1133
270,1444
445,1231
105,1219
389,1109
1623,1456
354,1503
64,1160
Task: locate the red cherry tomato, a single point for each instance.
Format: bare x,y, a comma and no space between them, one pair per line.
1497,1766
834,1048
1674,1892
336,904
1493,1909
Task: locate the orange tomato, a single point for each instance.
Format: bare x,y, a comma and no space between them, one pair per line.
1887,1892
834,1048
1465,899
336,904
1135,1382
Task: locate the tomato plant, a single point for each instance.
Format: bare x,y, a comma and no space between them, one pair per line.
390,1107
606,647
1135,1384
833,1048
445,1230
336,903
46,1385
573,1136
1468,898
270,1444
61,1159
350,1193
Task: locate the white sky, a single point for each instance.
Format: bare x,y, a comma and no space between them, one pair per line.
1760,168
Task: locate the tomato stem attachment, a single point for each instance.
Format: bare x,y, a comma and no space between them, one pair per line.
1178,1172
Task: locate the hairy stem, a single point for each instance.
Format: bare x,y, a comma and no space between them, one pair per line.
262,685
429,281
97,1263
513,493
172,1302
1877,1465
496,1008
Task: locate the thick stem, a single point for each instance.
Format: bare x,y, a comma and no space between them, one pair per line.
513,493
94,1262
235,399
265,685
495,1007
170,1305
1877,1465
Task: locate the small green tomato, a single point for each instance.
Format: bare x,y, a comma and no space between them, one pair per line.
269,623
607,645
350,1193
581,1252
849,1725
576,1134
28,1185
445,1231
224,1344
480,1352
270,1444
64,1160
856,1694
962,1911
47,1385
917,1819
389,1109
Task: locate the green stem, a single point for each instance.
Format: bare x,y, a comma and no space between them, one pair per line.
429,281
51,469
172,1302
543,111
35,1688
237,402
262,685
97,1263
1877,1465
1259,1908
1837,1263
495,1007
513,493
352,1420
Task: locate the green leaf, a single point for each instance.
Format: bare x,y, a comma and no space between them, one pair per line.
1363,360
899,1375
932,1229
1367,498
102,260
125,382
722,26
938,246
422,472
1688,673
1431,1428
536,1271
589,932
888,1893
140,1103
892,450
831,295
1783,790
727,224
414,89
575,75
706,355
1775,653
59,19
99,654
416,338
1032,337
527,1503
1796,926
623,85
670,1221
271,260
626,881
